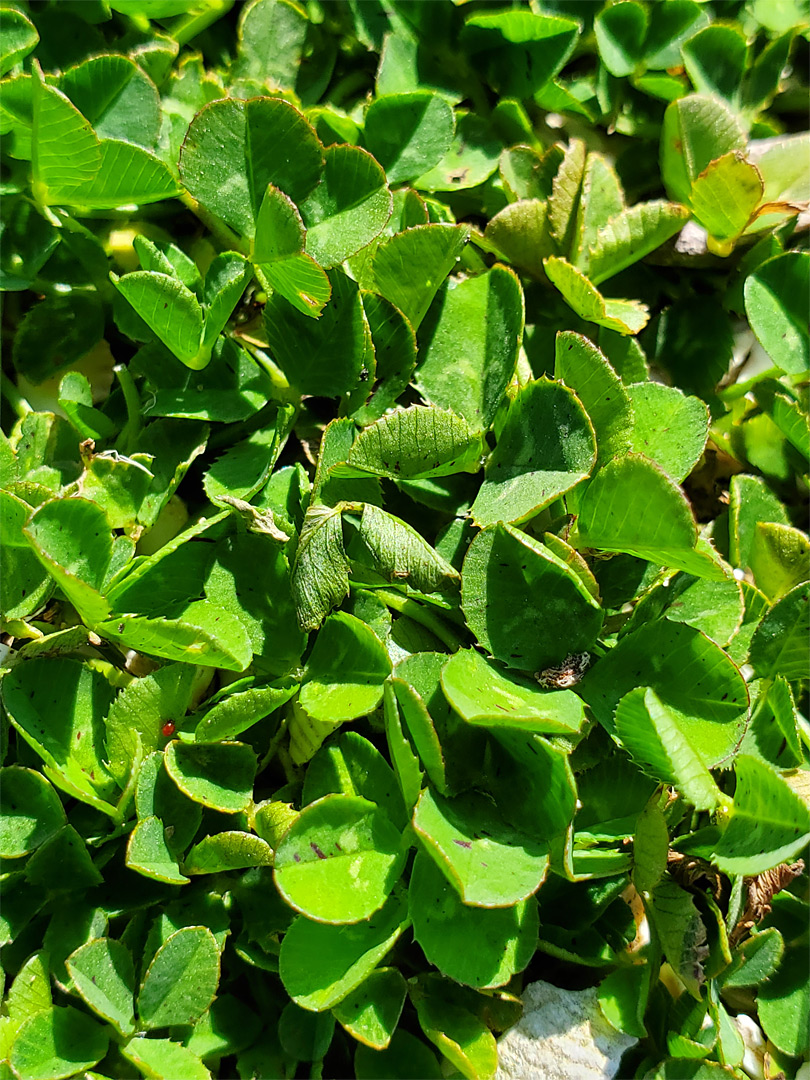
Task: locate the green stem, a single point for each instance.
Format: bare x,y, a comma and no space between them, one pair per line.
15,399
223,235
188,27
275,742
132,399
420,613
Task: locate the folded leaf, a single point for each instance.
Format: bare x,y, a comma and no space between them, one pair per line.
768,824
631,235
652,736
625,316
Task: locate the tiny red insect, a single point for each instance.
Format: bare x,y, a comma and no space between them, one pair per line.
168,728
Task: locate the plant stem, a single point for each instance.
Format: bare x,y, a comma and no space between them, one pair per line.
15,399
420,614
132,400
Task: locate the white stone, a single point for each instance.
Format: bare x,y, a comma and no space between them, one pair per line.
562,1035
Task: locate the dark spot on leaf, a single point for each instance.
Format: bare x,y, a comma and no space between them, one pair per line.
317,851
463,843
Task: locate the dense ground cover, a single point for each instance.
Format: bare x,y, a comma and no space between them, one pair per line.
404,576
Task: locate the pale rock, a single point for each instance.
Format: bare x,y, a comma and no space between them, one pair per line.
562,1035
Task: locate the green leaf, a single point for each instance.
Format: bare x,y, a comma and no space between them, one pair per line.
32,812
19,36
394,356
751,502
400,554
520,232
320,571
775,312
486,314
63,862
778,646
470,161
303,1035
235,148
670,25
532,784
668,427
725,196
117,97
681,931
483,694
226,851
620,34
225,280
582,367
463,1038
181,980
623,996
250,578
404,760
413,443
697,130
768,823
715,61
370,1013
404,1057
773,735
408,133
148,853
171,310
76,398
521,51
601,200
58,1043
779,558
490,864
691,675
339,860
444,927
245,467
755,960
202,631
159,1058
351,765
348,208
138,713
345,672
241,710
30,992
651,734
104,976
783,1004
545,448
409,268
632,506
625,316
715,607
65,149
422,729
506,573
321,964
564,201
56,333
73,750
631,235
127,174
650,846
72,539
219,775
278,251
